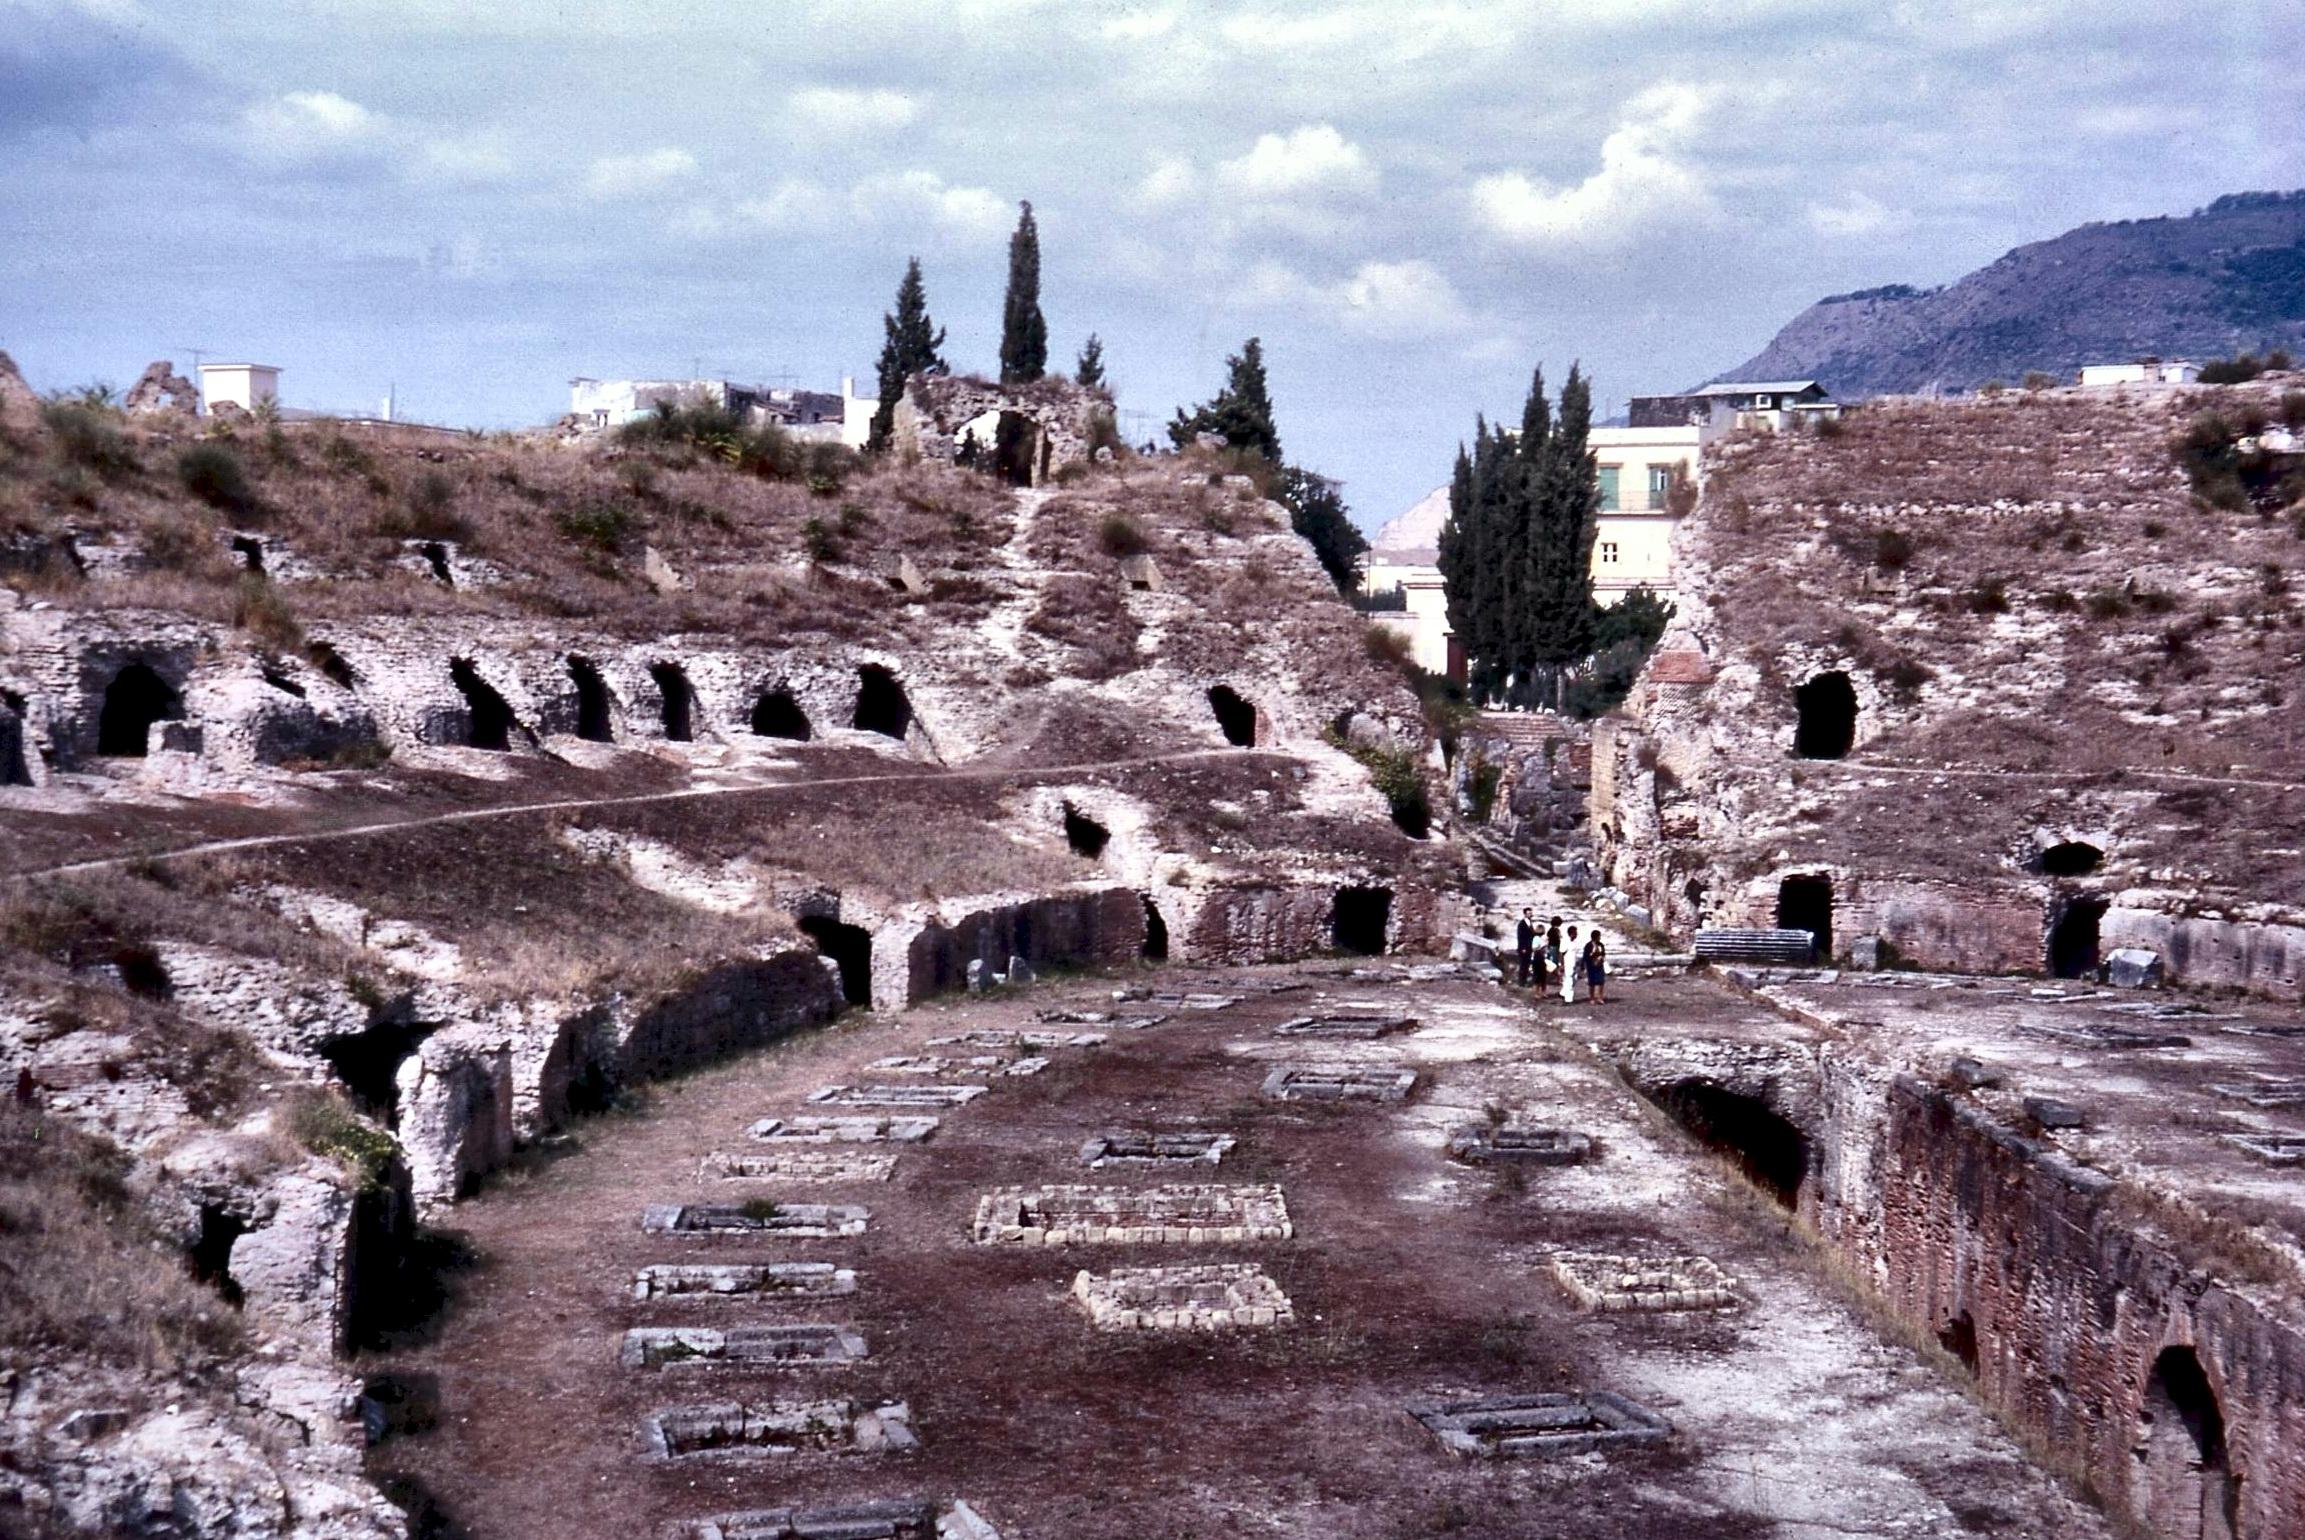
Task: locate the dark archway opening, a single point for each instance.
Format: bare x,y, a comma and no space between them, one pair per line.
2074,937
331,663
15,745
1769,1150
1016,449
134,700
367,1064
2073,858
436,557
212,1251
1156,933
279,680
1806,903
678,698
489,719
141,971
593,721
2189,1491
1827,717
250,550
1235,716
881,706
1084,834
1360,918
775,714
1959,1338
849,947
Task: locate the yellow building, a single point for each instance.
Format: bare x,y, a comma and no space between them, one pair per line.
1632,544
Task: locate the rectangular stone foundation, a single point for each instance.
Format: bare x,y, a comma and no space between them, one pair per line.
755,1281
2272,1149
1340,1083
1204,1214
794,1220
837,1130
1604,1282
1546,1426
1481,1145
1346,1025
1135,1149
777,1347
973,1064
896,1095
2265,1091
1170,999
1117,1020
1220,1296
1037,1042
865,1521
738,1428
800,1165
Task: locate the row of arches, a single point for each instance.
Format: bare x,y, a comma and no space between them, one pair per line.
881,706
2072,945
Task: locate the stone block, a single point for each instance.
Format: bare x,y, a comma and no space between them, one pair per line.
2133,967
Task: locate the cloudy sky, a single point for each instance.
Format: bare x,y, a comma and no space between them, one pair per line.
1412,203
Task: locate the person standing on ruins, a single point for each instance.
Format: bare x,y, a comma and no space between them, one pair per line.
1569,956
1553,944
1597,970
1525,942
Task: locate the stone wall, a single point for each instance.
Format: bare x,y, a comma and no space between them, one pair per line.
935,411
924,954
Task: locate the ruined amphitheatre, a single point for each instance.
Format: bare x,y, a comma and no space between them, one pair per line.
572,988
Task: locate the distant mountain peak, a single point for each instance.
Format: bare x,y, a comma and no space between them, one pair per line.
2225,278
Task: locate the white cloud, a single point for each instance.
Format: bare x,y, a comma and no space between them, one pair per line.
1857,216
915,197
1172,180
1401,300
476,158
839,110
792,204
305,126
645,174
1313,160
1644,181
1140,27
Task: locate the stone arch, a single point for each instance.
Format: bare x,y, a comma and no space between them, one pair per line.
2070,858
435,555
881,704
1156,932
1236,718
488,717
1805,902
1825,712
1084,834
1360,920
1767,1147
2186,1488
250,550
134,701
595,721
776,714
849,947
676,700
15,741
1958,1337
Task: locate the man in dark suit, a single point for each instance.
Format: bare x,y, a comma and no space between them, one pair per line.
1525,940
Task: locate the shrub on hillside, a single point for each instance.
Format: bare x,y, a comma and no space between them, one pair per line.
1119,535
89,437
214,474
602,523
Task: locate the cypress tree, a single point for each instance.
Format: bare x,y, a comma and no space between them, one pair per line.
1242,411
912,346
1090,370
1023,333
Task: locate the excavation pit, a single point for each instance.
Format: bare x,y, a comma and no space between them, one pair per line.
1481,1145
2268,1091
758,1282
2272,1149
750,1429
752,1347
862,1521
1547,1426
1186,1215
1174,1000
1220,1296
1118,1021
834,1130
1141,1149
1346,1026
973,1064
1603,1282
1340,1083
800,1165
1015,1041
798,1221
896,1095
2088,1035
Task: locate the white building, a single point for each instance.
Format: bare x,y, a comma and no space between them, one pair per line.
246,386
598,405
2145,371
1632,544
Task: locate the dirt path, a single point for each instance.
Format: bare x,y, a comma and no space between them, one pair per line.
1411,1278
578,804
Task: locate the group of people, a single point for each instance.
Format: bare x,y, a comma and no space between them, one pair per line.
1560,958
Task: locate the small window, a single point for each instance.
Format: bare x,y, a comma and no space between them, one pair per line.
1608,552
1609,474
1660,483
1763,403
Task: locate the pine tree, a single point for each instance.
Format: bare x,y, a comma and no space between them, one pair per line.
1242,411
914,346
1318,514
1023,333
1090,370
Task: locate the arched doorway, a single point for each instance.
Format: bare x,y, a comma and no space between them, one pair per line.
1826,712
2074,936
1806,903
2185,1489
134,700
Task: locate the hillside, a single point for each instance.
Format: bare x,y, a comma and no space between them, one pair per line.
2227,278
